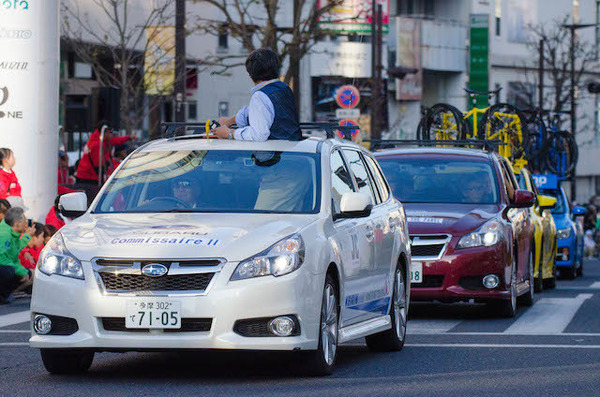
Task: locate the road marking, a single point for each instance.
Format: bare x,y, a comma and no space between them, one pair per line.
548,316
501,334
500,345
14,318
14,344
431,326
594,286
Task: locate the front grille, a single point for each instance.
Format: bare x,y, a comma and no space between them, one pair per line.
259,327
428,246
187,325
137,282
427,250
167,263
429,281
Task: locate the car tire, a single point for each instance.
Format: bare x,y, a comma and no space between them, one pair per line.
539,281
580,268
570,273
551,282
321,362
62,362
508,307
527,298
392,340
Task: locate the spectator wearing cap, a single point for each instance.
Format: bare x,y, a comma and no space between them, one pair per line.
14,236
9,184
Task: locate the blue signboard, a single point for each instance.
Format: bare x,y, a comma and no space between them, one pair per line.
546,181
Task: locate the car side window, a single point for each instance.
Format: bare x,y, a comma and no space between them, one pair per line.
508,182
361,175
378,178
341,181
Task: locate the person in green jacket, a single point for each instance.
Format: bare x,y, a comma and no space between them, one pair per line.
14,236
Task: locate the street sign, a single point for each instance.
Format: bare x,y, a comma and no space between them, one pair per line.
350,123
347,96
545,181
347,113
479,57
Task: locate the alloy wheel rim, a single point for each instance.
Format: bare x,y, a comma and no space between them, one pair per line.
399,302
329,325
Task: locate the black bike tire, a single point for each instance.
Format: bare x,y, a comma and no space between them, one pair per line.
567,143
534,117
482,130
457,114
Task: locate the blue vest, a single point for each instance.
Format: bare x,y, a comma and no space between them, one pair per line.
285,124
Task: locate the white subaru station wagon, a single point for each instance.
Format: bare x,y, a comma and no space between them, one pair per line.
208,244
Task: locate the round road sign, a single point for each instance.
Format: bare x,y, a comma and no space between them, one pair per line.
347,96
350,123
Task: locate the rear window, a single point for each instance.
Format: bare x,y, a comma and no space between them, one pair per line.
423,180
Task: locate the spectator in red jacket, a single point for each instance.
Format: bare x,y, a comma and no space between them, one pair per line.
9,184
54,217
88,171
31,253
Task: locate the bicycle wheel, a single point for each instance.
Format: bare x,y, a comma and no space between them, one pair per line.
537,132
561,153
443,122
506,123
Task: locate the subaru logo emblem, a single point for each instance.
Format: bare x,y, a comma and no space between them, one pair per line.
154,270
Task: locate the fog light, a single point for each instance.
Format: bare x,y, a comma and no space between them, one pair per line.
491,281
42,324
282,326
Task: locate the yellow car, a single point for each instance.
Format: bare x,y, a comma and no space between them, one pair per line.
544,234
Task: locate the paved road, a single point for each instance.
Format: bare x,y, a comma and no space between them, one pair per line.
551,348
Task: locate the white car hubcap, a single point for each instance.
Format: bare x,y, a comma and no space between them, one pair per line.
329,324
399,305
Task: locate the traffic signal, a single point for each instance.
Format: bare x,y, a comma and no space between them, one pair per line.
594,87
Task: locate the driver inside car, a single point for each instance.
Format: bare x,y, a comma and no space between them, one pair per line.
477,190
186,192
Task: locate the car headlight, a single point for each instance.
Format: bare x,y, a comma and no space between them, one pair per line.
56,259
281,258
487,235
563,233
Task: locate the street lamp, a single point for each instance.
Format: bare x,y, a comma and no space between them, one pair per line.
573,27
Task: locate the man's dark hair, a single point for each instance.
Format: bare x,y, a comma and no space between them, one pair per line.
14,215
262,65
49,230
4,206
102,123
39,229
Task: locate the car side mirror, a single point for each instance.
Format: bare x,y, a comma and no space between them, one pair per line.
546,202
354,205
578,210
73,205
523,199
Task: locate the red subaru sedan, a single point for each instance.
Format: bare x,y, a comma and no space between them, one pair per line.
471,235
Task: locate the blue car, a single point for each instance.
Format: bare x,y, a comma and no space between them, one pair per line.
569,234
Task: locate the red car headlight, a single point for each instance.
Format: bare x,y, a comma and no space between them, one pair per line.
490,233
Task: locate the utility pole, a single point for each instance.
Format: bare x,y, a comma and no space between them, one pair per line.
541,77
376,71
180,69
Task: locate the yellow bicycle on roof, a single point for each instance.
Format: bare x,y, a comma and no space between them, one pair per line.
501,122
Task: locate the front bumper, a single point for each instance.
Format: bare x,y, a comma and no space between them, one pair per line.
455,276
570,245
224,302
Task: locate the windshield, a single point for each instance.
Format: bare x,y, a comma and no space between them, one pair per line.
425,180
560,207
214,181
522,183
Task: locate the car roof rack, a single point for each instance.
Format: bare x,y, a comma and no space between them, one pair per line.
485,144
179,130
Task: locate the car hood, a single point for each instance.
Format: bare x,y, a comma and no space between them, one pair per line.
562,221
158,236
456,219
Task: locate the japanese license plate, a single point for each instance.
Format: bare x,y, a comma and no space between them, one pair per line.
416,272
153,313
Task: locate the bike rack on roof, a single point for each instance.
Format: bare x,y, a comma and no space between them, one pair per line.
199,130
489,145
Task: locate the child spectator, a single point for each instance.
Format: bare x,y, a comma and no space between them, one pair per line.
49,231
30,254
63,169
4,206
9,184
